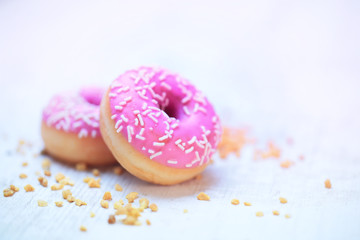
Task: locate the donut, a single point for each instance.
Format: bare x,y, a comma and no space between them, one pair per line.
159,126
70,128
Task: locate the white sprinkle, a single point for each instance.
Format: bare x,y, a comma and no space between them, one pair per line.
139,137
154,101
188,165
142,95
196,108
113,116
172,161
186,110
144,106
119,129
114,85
129,133
159,144
157,114
189,150
192,140
187,98
214,118
165,85
175,125
128,99
163,137
112,94
151,151
178,141
83,133
142,131
122,103
199,144
155,155
201,109
146,112
136,121
197,156
124,89
124,118
167,125
118,123
141,120
154,108
77,124
143,148
93,133
118,107
153,118
136,112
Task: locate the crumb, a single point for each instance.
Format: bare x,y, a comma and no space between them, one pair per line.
276,213
47,173
70,198
23,175
153,207
94,183
42,203
120,211
148,222
66,193
15,189
43,181
79,203
57,187
83,228
287,216
67,181
286,164
118,170
185,211
59,177
247,204
8,192
144,203
107,196
24,164
104,203
203,196
232,141
132,215
272,152
29,188
111,219
59,204
96,172
46,164
118,205
132,196
81,166
327,183
92,214
118,188
87,179
259,214
283,200
235,201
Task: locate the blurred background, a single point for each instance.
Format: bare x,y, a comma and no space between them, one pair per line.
255,60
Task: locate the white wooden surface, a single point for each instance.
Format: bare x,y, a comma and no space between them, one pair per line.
286,69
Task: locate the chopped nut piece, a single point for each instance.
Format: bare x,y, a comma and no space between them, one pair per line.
276,213
24,164
94,183
287,216
327,183
23,175
247,204
8,192
144,203
111,219
57,187
283,200
132,196
118,170
107,196
118,188
43,181
47,173
79,203
185,211
46,164
259,214
70,198
235,201
42,203
81,166
286,164
148,222
59,204
15,189
29,188
203,196
83,228
96,172
66,193
104,203
59,177
153,207
92,214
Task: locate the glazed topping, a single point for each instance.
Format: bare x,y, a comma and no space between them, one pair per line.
164,117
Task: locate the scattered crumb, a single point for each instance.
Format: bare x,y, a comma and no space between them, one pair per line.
286,164
43,181
59,204
327,183
120,211
148,222
79,203
66,193
57,187
232,141
283,200
42,203
23,175
47,173
107,196
8,192
132,196
259,214
132,215
144,203
46,164
24,164
67,181
247,204
81,166
94,183
111,219
153,207
235,201
87,179
287,216
104,203
83,228
272,152
96,172
185,211
203,196
29,188
92,214
276,213
59,177
118,187
118,204
70,198
118,170
15,189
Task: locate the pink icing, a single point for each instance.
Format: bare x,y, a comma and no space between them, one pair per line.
75,112
164,117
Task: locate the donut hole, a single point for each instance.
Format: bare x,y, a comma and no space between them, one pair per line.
92,95
174,107
171,111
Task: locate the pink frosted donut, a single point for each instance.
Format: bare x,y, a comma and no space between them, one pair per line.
70,128
158,125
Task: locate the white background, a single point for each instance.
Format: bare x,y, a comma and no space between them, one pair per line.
284,68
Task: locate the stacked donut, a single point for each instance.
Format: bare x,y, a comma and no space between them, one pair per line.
156,124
